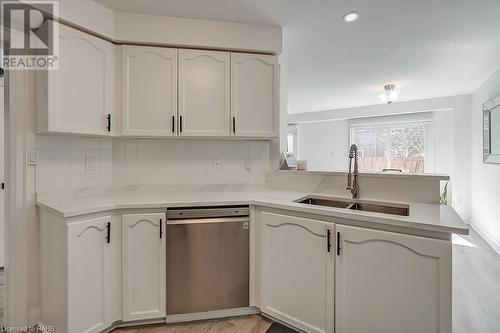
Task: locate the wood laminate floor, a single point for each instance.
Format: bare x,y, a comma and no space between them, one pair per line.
476,297
247,324
476,286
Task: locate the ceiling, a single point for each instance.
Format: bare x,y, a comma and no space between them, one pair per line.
428,48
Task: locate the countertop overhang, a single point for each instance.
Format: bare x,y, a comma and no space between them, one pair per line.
423,217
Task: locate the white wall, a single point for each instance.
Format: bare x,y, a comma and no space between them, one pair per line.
324,144
61,162
171,31
170,162
485,178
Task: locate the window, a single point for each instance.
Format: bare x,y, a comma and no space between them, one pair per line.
293,140
400,146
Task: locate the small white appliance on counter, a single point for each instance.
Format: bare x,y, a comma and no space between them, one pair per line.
289,161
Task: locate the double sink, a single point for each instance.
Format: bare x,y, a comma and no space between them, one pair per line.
367,206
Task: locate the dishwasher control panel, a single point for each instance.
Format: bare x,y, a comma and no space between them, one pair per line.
207,212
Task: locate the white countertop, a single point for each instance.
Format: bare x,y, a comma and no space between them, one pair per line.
380,174
426,217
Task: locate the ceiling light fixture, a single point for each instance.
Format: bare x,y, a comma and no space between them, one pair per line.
351,16
390,95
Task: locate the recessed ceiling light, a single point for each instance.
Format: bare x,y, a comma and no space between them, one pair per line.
351,16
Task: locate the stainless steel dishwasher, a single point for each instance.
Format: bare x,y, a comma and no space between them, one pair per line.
207,259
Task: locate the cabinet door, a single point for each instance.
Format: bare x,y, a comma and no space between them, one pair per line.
143,266
392,283
297,271
89,263
79,96
254,95
204,93
149,91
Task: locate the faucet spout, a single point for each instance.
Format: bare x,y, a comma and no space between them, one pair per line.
353,175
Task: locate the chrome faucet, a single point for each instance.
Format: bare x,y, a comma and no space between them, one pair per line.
352,176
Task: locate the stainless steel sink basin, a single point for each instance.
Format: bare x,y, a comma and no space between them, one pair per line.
376,208
337,203
367,206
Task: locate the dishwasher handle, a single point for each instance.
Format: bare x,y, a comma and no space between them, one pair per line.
209,220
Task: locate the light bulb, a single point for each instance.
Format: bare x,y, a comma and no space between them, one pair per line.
351,16
390,95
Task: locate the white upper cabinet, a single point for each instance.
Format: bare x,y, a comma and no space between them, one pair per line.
105,89
297,273
392,283
254,95
144,266
79,97
204,93
149,91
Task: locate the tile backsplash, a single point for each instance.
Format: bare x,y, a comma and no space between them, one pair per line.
62,162
172,162
119,161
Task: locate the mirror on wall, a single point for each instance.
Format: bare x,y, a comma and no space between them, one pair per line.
491,131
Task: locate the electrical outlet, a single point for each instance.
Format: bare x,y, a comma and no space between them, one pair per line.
89,164
217,163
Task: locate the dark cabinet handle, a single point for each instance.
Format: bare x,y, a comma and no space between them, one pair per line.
173,124
109,122
328,240
339,248
234,124
161,228
108,233
180,124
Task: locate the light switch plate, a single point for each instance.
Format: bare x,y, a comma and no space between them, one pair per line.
33,158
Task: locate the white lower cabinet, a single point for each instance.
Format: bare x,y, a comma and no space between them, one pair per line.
370,281
391,283
80,259
143,253
317,276
89,263
297,273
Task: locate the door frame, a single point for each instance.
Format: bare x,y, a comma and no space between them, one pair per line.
20,193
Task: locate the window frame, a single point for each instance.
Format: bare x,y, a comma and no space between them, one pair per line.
400,121
293,129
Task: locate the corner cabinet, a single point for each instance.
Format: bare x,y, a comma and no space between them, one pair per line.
144,283
391,283
80,268
297,273
254,95
204,93
79,97
149,91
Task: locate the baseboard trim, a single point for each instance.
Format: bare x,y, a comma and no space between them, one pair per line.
145,322
274,319
492,242
179,318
